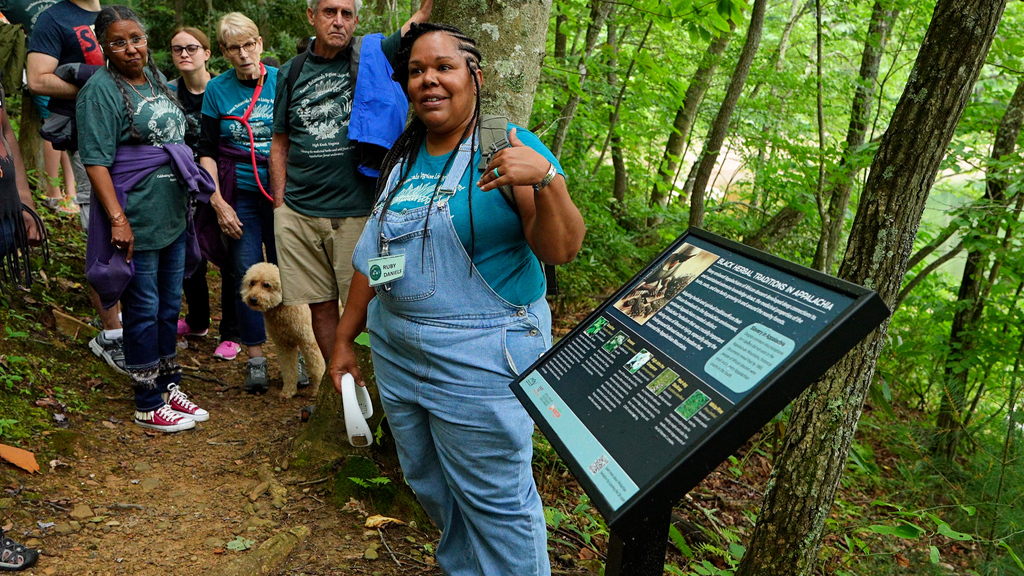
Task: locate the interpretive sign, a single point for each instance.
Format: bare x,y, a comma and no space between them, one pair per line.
682,365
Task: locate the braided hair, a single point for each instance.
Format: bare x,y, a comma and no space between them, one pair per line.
104,19
407,147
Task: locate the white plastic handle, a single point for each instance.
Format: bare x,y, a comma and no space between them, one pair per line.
358,430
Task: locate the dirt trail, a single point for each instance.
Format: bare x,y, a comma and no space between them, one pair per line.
129,501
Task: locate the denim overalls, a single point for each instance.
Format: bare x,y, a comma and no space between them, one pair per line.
445,348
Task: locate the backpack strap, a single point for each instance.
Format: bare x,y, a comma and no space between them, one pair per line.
293,75
494,137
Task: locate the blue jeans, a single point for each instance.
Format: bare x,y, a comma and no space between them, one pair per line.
149,307
257,216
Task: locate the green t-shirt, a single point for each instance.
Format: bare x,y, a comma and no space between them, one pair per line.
323,180
157,205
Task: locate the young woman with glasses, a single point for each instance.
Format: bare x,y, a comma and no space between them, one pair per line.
190,51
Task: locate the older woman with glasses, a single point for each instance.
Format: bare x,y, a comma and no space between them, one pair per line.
238,112
190,51
131,130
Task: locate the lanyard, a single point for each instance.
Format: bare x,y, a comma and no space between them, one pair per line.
244,120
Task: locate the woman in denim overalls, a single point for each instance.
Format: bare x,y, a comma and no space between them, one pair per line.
449,285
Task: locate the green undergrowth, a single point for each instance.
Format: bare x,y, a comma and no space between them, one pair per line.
47,380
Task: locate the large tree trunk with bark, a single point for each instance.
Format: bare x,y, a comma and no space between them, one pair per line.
970,304
599,10
684,119
701,171
511,35
802,488
841,181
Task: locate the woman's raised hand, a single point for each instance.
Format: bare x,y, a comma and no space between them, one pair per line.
517,165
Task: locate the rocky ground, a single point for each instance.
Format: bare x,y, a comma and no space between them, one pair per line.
219,499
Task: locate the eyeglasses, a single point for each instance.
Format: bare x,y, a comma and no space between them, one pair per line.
236,50
191,49
122,45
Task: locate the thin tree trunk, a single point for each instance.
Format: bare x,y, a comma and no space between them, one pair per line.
599,10
618,162
618,100
787,538
776,229
841,181
512,36
970,305
701,171
931,267
684,118
560,38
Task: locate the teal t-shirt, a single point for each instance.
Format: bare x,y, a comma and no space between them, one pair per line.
157,205
496,241
323,177
227,96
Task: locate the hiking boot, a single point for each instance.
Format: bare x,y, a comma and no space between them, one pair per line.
185,330
181,405
256,375
227,350
303,375
15,557
111,351
164,419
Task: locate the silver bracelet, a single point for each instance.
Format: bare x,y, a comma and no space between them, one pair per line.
548,177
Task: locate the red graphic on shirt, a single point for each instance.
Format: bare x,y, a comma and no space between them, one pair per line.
90,47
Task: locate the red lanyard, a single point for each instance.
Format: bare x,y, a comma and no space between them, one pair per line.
244,119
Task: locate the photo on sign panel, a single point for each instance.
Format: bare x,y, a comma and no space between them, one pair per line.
596,326
614,342
662,285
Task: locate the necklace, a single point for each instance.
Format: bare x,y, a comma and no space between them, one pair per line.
150,99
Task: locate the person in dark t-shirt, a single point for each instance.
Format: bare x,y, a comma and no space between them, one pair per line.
321,201
63,34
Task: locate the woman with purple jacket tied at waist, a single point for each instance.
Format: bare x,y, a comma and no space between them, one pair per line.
131,131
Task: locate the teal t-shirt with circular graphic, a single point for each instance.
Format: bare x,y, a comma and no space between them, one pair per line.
495,238
157,205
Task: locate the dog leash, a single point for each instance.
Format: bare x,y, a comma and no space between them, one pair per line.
244,120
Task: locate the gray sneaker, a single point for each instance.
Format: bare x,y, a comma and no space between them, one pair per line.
111,351
256,376
303,375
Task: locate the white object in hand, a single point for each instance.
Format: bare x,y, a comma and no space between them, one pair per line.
357,409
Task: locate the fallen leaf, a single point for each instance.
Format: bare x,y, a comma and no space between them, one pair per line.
21,458
902,561
108,424
378,521
7,527
587,554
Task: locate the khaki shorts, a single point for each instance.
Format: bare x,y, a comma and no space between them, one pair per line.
315,255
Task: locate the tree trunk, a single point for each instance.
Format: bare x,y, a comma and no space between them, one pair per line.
560,38
969,303
776,229
808,469
511,35
841,181
599,10
618,162
701,171
684,119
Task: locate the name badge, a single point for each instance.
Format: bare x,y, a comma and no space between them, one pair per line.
386,269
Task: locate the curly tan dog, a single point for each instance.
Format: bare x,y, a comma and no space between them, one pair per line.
290,327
